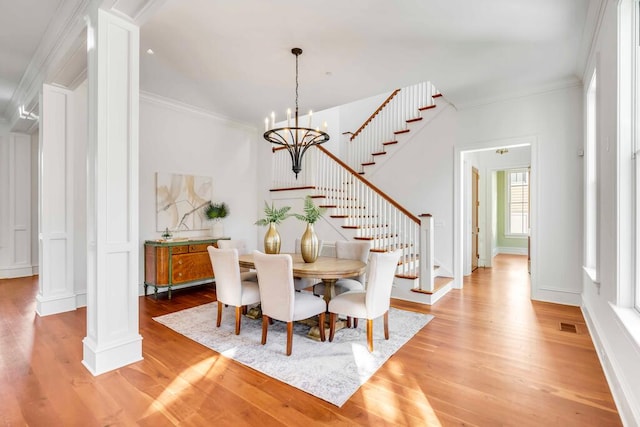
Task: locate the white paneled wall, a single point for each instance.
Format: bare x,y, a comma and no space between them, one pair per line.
15,215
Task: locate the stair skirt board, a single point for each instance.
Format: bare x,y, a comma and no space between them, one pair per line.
402,290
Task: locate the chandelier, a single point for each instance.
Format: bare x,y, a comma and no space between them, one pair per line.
296,139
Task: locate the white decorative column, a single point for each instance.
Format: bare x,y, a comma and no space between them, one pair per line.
15,214
56,293
113,339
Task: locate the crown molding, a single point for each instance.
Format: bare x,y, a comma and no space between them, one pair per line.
538,90
182,107
62,32
590,33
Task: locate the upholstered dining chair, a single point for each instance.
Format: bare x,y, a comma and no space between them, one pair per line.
348,249
279,299
370,303
230,288
241,246
300,283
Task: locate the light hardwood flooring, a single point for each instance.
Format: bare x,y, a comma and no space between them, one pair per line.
491,357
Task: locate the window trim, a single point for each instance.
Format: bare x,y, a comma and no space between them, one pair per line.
507,223
627,298
591,256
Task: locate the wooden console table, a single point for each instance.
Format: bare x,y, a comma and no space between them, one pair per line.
177,262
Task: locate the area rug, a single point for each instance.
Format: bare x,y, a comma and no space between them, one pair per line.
332,371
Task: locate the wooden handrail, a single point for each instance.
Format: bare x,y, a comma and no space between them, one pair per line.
370,185
395,92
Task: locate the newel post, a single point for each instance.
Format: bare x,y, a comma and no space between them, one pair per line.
426,252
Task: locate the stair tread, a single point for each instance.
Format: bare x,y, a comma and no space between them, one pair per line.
364,227
439,282
416,119
389,142
427,107
386,236
398,132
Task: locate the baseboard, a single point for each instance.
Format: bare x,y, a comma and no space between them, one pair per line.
558,296
629,412
510,250
81,299
14,272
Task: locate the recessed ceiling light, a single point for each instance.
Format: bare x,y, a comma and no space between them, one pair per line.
150,51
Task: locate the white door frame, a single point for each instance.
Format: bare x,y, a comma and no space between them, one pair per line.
459,185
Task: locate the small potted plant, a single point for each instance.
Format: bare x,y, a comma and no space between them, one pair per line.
272,217
216,212
309,241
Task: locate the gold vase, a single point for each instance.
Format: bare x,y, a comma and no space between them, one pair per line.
272,240
309,244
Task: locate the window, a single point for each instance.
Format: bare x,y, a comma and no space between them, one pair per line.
518,202
591,183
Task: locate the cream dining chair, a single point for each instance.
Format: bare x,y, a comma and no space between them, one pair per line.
349,249
241,246
279,299
230,288
370,303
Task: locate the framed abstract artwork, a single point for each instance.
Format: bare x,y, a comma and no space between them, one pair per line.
180,200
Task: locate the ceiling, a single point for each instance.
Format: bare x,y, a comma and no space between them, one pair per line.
234,57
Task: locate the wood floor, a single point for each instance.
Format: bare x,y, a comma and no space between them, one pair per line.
491,357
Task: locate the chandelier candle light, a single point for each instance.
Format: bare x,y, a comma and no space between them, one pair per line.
297,140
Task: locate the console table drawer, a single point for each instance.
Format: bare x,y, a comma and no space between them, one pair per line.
200,247
180,249
189,267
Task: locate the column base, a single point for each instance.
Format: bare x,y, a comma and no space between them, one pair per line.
60,304
105,359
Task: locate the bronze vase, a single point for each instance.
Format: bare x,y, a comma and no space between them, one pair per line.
309,244
272,240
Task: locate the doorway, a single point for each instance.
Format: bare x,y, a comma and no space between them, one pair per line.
476,217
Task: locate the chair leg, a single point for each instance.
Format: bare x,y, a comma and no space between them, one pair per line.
355,322
238,317
321,326
244,309
265,325
370,334
332,326
219,314
348,321
386,325
289,337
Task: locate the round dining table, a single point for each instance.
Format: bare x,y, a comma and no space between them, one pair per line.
327,269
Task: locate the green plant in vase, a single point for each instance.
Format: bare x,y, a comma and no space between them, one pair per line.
309,241
272,217
216,212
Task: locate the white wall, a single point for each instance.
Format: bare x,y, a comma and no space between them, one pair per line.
619,351
175,138
15,210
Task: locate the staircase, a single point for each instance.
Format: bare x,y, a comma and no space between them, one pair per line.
358,210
